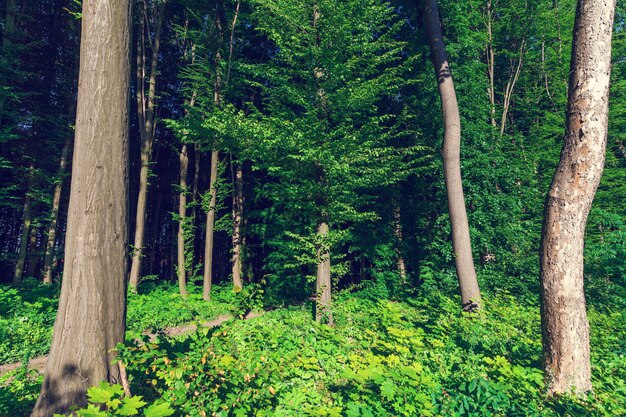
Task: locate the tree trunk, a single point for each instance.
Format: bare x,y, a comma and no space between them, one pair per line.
397,225
91,316
491,63
54,215
25,231
210,227
564,319
323,310
182,214
147,127
7,45
237,221
33,250
451,153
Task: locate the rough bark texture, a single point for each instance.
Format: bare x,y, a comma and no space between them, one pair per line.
182,214
237,221
451,153
147,128
91,315
54,215
564,319
210,227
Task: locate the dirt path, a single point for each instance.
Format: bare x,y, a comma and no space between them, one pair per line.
39,363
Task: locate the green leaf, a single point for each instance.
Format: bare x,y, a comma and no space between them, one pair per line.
91,411
103,393
159,410
131,406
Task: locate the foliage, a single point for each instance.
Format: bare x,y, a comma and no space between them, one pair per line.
115,404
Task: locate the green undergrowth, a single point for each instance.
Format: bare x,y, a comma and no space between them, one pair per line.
415,356
27,314
383,358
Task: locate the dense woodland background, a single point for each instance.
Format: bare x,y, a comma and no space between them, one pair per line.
356,145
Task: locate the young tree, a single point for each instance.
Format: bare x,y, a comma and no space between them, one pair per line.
91,316
451,153
564,319
146,112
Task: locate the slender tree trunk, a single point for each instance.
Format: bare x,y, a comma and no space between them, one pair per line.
470,293
91,316
7,45
210,227
397,225
323,310
237,221
323,287
182,214
147,127
156,222
491,63
510,86
564,319
25,231
33,250
54,216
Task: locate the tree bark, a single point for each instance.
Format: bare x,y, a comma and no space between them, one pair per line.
25,231
397,225
54,215
323,310
564,320
237,221
491,63
147,128
182,214
210,227
7,45
451,153
91,316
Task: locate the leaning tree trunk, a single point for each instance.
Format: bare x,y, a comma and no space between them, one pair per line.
451,153
54,215
210,228
147,127
564,319
91,316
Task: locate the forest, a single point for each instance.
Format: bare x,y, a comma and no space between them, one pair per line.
348,208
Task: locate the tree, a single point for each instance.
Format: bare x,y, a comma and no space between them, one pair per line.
93,295
146,112
565,327
451,153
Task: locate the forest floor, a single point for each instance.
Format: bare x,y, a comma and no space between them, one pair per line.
404,354
39,363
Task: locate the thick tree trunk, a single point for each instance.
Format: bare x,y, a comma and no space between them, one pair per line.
25,231
237,222
564,319
451,152
91,316
147,127
54,215
210,227
182,214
